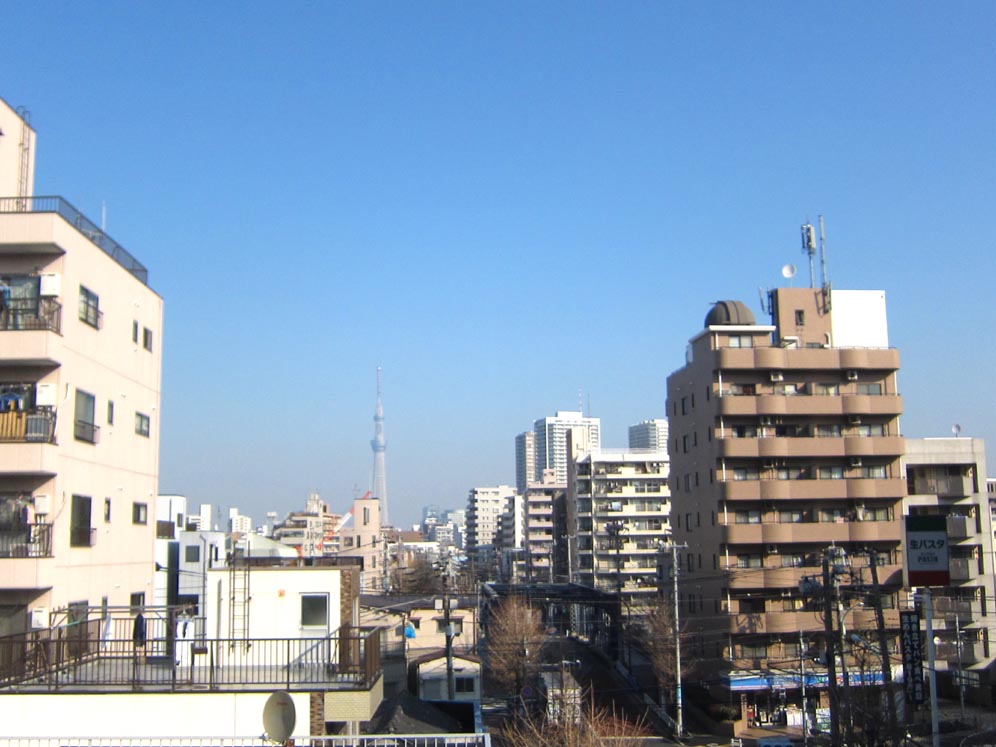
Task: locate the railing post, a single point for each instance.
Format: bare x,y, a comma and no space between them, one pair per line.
288,664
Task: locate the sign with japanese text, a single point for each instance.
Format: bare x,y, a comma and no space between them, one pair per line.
912,652
927,550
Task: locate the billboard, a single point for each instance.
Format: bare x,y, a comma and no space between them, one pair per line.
927,550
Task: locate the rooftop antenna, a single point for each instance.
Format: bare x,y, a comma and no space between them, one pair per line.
765,296
823,266
809,247
580,401
956,430
103,216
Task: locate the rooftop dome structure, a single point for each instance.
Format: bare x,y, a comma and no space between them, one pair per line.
729,313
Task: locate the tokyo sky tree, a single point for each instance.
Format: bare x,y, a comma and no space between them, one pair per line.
379,446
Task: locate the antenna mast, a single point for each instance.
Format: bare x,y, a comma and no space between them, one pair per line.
809,247
823,265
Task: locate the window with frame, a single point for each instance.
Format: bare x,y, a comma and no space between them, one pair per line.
748,517
463,684
314,610
744,431
826,390
107,510
754,650
134,332
90,307
147,338
792,560
192,554
745,473
873,389
827,430
870,429
110,412
80,526
137,601
85,428
142,424
741,341
139,513
800,317
873,472
830,472
749,561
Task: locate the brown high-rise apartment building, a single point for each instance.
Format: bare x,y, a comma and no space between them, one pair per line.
785,446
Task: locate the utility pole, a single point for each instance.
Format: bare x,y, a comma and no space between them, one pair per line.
802,684
828,605
883,645
961,674
450,681
679,707
928,613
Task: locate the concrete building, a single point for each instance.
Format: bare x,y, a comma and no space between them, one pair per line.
485,505
525,460
362,538
510,540
618,512
947,477
543,532
784,442
80,371
650,434
550,436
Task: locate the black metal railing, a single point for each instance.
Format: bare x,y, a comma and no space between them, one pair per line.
31,314
26,541
86,431
77,656
60,206
20,426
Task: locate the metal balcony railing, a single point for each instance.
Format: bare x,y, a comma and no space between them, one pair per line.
86,431
31,314
82,536
78,657
60,206
26,541
27,426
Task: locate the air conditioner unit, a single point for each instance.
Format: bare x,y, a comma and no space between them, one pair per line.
854,420
45,395
855,461
777,376
852,375
49,284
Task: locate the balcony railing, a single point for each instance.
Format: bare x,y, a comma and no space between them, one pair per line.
26,541
86,431
77,657
82,536
82,224
359,740
27,426
31,314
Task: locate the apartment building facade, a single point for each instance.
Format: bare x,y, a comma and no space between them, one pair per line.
784,442
650,434
947,477
80,373
618,512
550,441
485,506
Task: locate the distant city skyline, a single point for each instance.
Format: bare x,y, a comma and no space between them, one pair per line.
501,205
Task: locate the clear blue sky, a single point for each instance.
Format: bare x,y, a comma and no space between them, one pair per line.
503,203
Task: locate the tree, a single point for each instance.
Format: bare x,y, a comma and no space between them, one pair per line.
515,640
419,577
654,628
594,728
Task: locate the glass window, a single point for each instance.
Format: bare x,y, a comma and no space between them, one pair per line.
107,510
89,307
147,338
753,650
830,473
139,513
134,332
741,341
314,610
745,473
873,472
869,388
142,424
831,390
85,428
137,601
110,412
748,517
871,430
749,561
192,553
828,430
80,529
463,684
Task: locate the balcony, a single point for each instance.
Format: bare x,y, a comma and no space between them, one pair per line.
32,314
82,224
26,541
960,527
27,426
943,487
76,658
84,430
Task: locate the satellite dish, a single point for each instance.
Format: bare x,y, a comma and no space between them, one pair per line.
279,717
956,430
788,271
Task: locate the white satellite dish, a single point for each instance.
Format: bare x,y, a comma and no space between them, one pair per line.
956,430
279,717
788,271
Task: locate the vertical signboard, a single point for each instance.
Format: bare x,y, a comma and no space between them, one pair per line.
927,550
909,631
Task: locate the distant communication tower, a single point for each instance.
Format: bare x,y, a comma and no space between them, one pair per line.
379,446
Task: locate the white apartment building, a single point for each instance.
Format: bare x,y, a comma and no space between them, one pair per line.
525,460
485,505
544,531
619,508
650,434
551,441
80,373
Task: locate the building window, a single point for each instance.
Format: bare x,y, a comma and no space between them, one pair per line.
830,473
871,430
748,517
745,473
826,390
80,529
90,307
110,412
314,610
874,472
139,513
827,430
147,338
749,561
86,428
142,424
800,317
107,510
192,554
137,601
366,516
741,341
463,684
134,332
873,389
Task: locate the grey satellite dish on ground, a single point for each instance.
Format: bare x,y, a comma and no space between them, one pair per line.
279,717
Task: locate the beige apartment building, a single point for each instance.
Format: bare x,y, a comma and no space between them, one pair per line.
80,371
785,443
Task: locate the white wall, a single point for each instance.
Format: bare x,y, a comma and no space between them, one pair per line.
858,318
142,715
